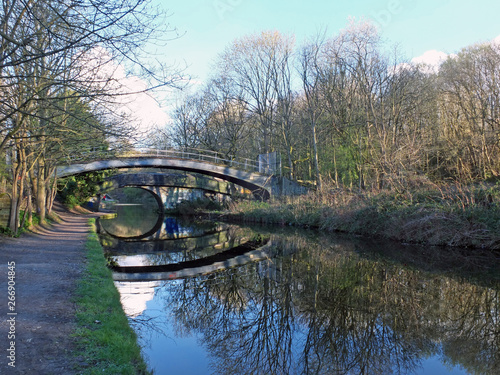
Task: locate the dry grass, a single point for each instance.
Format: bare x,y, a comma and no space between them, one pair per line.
449,215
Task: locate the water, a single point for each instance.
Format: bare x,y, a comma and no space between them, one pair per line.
216,298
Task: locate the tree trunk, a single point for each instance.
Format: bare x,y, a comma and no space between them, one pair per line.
51,184
41,193
17,191
315,156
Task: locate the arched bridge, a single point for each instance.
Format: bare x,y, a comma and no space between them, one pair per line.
260,178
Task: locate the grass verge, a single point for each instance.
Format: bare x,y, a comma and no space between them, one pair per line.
107,344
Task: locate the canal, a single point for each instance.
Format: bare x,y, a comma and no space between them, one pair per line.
218,298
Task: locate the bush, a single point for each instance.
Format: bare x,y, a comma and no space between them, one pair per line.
76,190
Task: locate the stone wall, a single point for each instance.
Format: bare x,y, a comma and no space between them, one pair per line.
282,186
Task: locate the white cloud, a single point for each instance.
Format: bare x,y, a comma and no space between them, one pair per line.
132,99
140,106
432,60
400,68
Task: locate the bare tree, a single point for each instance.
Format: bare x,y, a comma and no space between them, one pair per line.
187,126
42,48
470,103
309,72
229,117
249,64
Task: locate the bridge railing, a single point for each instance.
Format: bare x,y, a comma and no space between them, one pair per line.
179,153
200,155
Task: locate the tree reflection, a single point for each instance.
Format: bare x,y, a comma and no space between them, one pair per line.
319,307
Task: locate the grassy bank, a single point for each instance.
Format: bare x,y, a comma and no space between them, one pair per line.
107,343
452,215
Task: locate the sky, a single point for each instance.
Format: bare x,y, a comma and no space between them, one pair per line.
423,29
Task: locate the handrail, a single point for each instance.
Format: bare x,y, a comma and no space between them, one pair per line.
177,153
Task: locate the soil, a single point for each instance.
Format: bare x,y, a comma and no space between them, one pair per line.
48,265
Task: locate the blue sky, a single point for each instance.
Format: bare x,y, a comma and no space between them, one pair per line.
416,25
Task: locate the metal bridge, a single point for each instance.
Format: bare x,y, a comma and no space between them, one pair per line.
259,177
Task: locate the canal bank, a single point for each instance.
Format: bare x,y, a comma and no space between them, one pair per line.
449,215
47,267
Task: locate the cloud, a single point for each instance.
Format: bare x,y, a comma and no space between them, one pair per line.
132,98
400,68
142,108
431,58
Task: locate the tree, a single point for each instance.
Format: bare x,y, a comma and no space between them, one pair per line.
186,127
229,116
362,114
45,49
470,102
251,64
309,71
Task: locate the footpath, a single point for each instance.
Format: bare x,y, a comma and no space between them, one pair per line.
36,322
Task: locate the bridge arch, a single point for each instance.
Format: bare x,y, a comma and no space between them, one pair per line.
157,197
154,179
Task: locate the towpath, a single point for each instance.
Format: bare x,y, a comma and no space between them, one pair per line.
47,266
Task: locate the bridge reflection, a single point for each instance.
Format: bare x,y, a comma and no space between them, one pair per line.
208,244
178,250
162,228
237,256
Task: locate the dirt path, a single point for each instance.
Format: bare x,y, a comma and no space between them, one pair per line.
47,266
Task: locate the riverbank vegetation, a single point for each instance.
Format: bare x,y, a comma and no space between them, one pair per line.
107,343
392,147
448,215
76,190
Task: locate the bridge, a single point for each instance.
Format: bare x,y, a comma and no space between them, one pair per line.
262,179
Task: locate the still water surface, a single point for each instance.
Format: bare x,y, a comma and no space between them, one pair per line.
214,298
